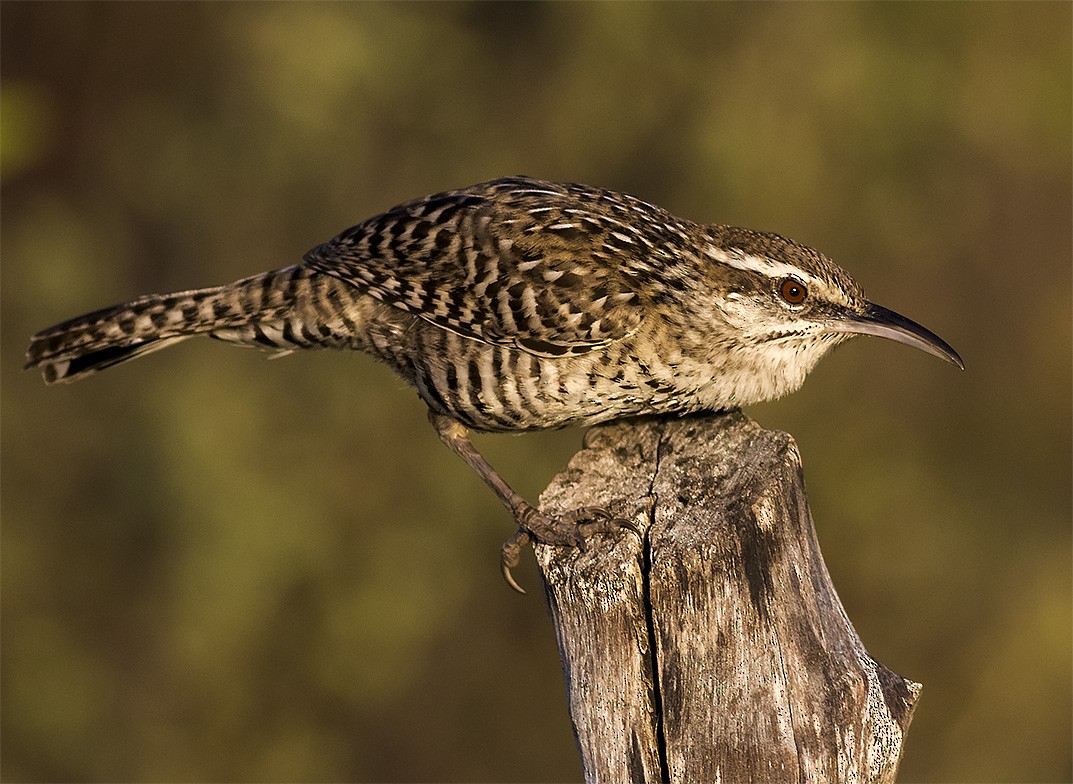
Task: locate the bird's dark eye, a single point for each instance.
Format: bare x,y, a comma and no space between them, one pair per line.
793,291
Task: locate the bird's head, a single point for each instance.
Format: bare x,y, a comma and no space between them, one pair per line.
783,306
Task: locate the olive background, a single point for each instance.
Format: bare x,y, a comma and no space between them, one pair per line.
221,568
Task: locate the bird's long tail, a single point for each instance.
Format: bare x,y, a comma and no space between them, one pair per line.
290,308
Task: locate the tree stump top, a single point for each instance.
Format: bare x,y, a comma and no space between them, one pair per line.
715,647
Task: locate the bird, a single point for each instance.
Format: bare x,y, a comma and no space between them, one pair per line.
520,304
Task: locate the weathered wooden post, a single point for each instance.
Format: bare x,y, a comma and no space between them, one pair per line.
716,649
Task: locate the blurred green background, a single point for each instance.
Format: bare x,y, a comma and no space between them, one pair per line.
221,568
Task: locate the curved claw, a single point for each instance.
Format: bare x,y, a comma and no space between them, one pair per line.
591,513
510,578
534,526
629,525
606,525
510,555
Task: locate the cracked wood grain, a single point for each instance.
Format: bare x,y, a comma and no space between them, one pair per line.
715,649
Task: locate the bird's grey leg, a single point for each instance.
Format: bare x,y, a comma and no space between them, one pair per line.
571,528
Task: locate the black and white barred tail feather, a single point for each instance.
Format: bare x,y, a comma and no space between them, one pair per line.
290,308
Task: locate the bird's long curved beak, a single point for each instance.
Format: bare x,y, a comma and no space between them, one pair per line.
877,320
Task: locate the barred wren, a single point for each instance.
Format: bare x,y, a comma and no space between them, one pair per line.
519,304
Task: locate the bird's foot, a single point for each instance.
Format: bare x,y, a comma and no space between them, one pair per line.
571,529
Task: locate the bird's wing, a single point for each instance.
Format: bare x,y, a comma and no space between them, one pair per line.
516,262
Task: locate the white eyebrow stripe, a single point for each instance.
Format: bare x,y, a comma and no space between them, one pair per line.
758,264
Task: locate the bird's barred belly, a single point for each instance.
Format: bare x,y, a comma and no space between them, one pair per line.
484,386
499,388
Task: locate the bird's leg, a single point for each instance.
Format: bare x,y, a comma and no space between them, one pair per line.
571,528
